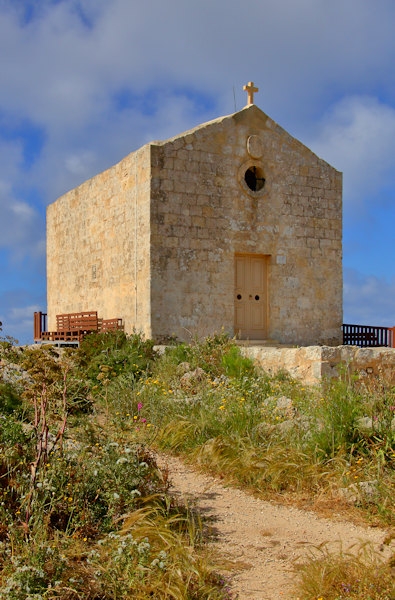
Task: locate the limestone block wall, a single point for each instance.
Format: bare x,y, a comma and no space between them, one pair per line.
192,258
203,213
314,363
153,239
98,252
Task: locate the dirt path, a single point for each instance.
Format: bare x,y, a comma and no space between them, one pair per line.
261,539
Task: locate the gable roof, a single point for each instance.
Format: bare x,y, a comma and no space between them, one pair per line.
250,115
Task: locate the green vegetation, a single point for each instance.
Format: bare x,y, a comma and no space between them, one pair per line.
85,512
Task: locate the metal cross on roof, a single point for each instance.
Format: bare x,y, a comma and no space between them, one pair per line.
250,89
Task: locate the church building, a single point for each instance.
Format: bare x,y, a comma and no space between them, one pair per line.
232,226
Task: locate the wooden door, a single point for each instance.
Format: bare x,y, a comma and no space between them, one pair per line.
251,296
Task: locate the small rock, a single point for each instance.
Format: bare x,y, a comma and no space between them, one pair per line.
363,491
364,425
263,430
183,367
191,378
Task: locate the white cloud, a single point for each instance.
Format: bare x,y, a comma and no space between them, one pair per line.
21,229
358,137
61,71
22,211
63,74
80,164
368,300
23,313
65,163
18,323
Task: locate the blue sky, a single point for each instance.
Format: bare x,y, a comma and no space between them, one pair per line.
85,82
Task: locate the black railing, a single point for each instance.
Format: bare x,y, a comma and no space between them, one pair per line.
367,335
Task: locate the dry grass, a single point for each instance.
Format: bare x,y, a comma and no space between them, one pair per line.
225,416
95,521
360,574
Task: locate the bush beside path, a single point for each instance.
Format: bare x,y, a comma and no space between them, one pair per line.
86,512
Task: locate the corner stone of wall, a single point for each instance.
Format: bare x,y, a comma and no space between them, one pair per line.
311,364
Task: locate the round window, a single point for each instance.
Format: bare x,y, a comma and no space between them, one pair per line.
254,178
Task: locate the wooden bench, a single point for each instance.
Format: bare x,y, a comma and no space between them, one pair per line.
72,327
110,325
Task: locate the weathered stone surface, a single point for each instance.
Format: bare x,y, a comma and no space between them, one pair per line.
313,363
154,239
192,378
363,491
282,406
183,368
365,425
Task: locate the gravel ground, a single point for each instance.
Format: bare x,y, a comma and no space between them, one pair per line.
261,541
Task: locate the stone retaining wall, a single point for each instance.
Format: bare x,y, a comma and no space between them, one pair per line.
313,363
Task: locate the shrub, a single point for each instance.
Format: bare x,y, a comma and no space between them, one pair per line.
10,399
107,355
67,487
334,417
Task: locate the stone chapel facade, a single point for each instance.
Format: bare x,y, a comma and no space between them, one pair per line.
233,225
